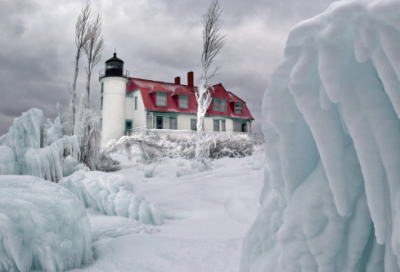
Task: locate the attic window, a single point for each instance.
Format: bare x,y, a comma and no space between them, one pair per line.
183,102
223,105
161,99
216,104
238,108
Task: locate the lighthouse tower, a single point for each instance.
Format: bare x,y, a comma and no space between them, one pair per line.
113,89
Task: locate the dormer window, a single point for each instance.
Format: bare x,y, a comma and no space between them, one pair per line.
216,104
238,108
161,99
183,102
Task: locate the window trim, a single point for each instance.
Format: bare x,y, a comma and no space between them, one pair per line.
219,127
241,107
179,101
176,123
126,123
162,122
195,124
161,94
216,104
222,102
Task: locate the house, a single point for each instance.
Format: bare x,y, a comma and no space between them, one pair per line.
128,103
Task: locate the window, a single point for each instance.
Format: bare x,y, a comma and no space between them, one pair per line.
102,86
244,128
159,122
216,104
223,125
101,103
172,123
223,105
101,124
238,108
183,102
193,124
128,125
216,125
136,103
161,100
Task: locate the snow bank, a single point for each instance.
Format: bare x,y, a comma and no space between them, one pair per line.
112,194
21,152
332,132
42,226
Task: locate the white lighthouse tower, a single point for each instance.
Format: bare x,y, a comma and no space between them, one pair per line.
113,89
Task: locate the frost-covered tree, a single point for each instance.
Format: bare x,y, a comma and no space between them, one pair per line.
86,130
213,41
93,47
81,37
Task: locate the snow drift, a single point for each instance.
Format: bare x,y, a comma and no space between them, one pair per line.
21,152
331,192
42,226
112,194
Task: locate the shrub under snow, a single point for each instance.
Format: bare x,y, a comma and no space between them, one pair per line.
112,194
42,226
21,151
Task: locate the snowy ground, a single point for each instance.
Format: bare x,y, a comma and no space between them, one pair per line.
207,216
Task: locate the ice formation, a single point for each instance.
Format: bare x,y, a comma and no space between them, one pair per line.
112,194
330,200
21,152
42,226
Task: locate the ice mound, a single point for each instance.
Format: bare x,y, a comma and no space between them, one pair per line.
42,226
330,200
21,152
112,194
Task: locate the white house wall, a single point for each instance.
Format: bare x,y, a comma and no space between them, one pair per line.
137,116
128,108
208,124
184,121
229,125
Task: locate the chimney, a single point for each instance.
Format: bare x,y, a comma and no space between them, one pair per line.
178,80
190,79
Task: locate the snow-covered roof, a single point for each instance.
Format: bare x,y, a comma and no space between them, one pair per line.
149,88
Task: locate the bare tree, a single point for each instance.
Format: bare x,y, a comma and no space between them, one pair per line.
81,30
93,47
213,41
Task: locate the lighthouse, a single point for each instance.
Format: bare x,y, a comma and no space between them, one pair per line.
113,81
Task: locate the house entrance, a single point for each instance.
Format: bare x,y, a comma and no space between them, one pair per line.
159,122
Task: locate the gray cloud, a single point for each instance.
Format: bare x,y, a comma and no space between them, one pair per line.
157,39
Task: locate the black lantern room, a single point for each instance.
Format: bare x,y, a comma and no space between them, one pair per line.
114,67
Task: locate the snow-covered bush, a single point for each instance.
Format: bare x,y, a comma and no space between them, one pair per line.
42,226
330,200
22,153
217,145
111,194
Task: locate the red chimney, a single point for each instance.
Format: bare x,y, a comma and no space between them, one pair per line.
178,80
190,79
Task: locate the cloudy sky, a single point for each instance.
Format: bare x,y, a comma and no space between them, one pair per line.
157,39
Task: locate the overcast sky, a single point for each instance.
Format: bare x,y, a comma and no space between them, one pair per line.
157,39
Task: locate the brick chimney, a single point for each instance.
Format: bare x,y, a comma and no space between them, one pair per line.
190,81
178,80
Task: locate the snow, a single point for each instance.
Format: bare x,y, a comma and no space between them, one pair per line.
111,194
207,215
21,152
42,226
331,125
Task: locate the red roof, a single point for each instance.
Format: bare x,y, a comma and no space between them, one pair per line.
149,89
